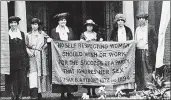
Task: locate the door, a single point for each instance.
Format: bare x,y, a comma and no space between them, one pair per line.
79,11
74,20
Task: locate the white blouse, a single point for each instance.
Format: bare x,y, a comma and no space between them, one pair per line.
121,34
62,32
90,36
16,34
141,35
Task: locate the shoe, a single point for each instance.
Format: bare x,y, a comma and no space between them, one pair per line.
62,96
69,95
13,97
20,96
39,96
94,95
17,97
89,93
34,94
34,99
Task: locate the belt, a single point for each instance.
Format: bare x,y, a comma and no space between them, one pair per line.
34,49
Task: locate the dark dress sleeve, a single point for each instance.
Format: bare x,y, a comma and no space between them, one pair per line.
128,33
131,37
99,36
70,34
111,37
82,36
24,44
114,34
25,58
53,34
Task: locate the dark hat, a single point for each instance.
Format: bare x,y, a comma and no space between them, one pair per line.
90,22
61,15
36,20
142,15
14,18
120,17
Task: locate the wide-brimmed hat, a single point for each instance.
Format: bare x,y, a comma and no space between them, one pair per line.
14,18
90,22
120,17
142,15
36,20
61,15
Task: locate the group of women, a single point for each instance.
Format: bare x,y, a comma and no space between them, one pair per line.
27,59
28,54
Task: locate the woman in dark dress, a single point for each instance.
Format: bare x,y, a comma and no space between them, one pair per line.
90,35
121,33
63,33
19,62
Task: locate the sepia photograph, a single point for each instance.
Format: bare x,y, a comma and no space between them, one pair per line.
85,50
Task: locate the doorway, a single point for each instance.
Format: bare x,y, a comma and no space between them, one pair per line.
79,11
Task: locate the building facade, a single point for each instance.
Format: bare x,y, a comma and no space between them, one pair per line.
102,12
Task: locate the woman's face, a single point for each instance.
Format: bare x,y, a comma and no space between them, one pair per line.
141,21
13,25
120,23
89,27
35,26
62,22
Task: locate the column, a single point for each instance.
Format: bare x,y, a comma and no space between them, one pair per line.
5,60
20,11
4,53
128,12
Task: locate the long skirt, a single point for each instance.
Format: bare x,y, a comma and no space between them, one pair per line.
40,82
89,86
38,75
143,70
64,88
16,81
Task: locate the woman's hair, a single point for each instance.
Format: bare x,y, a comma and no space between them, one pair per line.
14,20
39,27
95,29
61,18
36,20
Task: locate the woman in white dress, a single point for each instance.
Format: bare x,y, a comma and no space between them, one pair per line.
36,42
90,35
